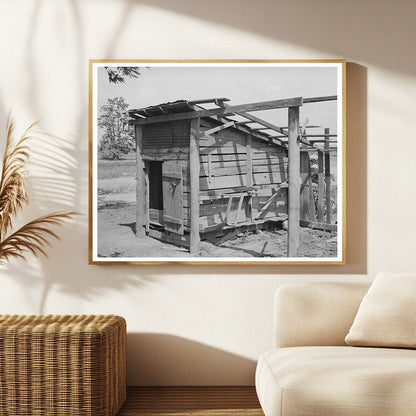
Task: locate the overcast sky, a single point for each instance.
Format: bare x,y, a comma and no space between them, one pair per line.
241,85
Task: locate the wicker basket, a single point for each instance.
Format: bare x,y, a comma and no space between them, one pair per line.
72,365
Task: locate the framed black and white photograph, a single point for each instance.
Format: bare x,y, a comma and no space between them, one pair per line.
217,162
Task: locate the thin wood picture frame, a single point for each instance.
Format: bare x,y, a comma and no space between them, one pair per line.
217,162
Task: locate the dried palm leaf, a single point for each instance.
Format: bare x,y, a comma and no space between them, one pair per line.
33,237
12,183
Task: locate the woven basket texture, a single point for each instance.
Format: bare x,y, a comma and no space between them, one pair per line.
56,365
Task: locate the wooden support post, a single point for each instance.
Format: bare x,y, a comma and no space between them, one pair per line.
294,182
147,186
249,174
321,186
304,186
312,209
307,201
327,178
194,167
140,185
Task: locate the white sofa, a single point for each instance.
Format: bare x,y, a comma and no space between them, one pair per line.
311,371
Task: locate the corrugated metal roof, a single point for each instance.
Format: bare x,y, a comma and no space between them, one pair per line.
183,106
179,106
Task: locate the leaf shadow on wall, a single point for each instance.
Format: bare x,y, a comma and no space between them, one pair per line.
338,18
53,186
358,35
65,186
59,181
335,27
164,359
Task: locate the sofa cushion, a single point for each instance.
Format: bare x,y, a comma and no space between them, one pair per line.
387,314
315,314
342,381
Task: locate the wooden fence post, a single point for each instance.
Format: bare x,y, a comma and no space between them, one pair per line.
321,186
140,185
304,186
194,168
294,182
327,178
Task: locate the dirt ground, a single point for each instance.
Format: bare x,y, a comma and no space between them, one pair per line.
116,237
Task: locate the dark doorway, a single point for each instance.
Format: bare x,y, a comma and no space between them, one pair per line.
155,185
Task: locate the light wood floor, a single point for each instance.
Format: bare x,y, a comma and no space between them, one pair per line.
187,401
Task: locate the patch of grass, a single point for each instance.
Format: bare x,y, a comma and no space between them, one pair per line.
116,185
111,169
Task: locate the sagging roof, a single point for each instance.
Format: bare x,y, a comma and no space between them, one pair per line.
179,106
183,106
245,125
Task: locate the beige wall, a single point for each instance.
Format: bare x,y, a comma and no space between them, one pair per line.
205,325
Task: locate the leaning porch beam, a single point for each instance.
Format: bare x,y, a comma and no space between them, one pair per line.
194,168
243,123
320,135
294,182
279,137
319,149
264,123
219,128
246,129
242,108
322,141
320,99
140,186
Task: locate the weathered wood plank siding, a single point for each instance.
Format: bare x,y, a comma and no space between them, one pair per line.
224,169
168,135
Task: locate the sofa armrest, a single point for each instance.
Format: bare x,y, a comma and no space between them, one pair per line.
309,314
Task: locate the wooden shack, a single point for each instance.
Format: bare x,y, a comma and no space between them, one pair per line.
202,173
